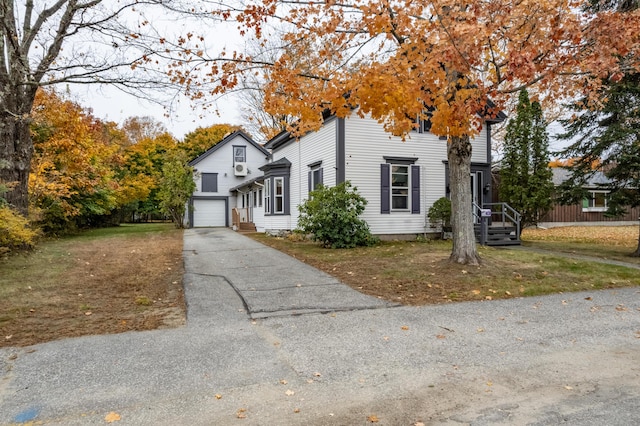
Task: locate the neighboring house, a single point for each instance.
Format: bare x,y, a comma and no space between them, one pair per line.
233,161
592,209
400,180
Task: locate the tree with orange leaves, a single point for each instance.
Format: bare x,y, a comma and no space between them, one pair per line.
399,59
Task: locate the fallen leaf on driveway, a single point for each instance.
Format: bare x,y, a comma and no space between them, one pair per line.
241,413
289,392
404,327
373,419
218,396
441,336
112,417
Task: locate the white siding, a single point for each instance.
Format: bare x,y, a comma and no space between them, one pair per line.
311,148
479,147
221,162
366,146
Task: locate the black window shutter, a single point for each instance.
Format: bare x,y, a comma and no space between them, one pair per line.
321,180
415,189
309,178
385,189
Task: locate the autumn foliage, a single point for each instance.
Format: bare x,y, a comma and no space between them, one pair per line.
86,172
450,62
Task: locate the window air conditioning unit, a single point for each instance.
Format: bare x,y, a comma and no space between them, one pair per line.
240,169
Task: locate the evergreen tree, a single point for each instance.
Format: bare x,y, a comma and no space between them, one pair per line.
525,176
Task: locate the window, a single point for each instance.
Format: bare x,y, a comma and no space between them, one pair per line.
239,154
267,196
209,182
595,201
276,187
315,176
424,122
399,186
259,198
278,195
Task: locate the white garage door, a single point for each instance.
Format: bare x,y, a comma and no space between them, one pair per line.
209,213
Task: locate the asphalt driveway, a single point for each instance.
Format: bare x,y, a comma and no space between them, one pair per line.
272,341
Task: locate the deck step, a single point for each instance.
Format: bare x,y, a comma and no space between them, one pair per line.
247,226
499,235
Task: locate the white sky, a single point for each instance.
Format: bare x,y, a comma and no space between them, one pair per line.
110,104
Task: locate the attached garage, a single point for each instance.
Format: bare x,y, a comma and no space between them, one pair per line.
208,212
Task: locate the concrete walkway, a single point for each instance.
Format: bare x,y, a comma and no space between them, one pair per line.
271,341
269,283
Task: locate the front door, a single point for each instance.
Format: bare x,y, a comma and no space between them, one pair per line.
476,193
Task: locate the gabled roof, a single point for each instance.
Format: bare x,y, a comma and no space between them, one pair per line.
595,180
285,135
224,142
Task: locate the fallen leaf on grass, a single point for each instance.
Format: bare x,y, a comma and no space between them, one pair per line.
476,292
112,417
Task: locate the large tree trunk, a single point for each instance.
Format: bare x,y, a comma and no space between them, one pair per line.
464,240
16,148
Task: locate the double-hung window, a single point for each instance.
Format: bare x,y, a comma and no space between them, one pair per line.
399,185
315,176
267,196
239,154
278,195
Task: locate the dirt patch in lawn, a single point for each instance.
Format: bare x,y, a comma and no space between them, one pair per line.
85,286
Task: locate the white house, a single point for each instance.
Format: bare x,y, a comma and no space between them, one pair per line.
399,179
232,162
